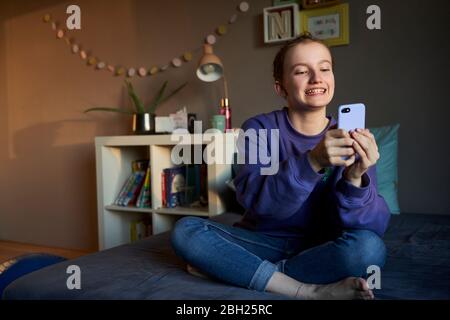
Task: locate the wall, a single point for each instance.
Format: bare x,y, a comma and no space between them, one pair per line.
47,164
401,73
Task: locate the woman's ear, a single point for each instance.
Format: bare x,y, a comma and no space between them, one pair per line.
280,89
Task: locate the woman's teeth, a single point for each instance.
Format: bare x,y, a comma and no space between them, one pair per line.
315,91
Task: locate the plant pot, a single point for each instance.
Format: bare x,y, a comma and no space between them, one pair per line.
144,123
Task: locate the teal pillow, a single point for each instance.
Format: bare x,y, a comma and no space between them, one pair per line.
387,171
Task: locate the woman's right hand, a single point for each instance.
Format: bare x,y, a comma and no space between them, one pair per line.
335,149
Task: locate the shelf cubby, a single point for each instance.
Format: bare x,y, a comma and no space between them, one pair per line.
114,156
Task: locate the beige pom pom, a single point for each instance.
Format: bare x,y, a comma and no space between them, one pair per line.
244,6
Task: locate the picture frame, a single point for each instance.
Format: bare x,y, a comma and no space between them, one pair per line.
329,24
311,4
277,3
281,23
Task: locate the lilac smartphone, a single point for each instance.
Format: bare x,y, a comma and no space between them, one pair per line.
352,116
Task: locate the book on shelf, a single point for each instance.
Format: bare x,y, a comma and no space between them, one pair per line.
144,198
132,195
184,186
163,189
175,182
134,187
190,193
127,186
203,184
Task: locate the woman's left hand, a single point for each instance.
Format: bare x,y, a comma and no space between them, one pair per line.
366,147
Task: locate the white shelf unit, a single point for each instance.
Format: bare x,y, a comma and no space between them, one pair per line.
114,156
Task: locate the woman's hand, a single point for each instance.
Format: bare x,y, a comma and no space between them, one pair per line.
367,149
335,149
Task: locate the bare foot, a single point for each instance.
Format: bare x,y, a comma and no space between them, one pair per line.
196,272
347,289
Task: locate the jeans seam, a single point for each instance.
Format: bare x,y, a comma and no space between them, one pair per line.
243,239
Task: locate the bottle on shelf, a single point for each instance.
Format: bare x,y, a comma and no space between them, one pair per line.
225,110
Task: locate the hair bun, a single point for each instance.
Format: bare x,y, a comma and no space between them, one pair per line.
306,34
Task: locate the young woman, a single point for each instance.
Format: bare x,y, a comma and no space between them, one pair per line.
312,229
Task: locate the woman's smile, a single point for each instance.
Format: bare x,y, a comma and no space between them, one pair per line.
317,91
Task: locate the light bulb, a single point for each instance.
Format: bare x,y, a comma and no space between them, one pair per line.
209,68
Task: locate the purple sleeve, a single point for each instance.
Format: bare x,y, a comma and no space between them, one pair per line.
277,196
362,208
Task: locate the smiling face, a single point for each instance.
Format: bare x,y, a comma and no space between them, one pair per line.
308,78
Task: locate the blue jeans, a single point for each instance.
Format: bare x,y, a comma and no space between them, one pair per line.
249,259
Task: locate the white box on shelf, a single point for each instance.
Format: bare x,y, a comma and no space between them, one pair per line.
163,125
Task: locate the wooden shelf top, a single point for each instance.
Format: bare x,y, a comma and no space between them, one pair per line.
166,139
178,211
202,212
128,209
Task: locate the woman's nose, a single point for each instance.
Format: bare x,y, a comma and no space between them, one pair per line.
315,77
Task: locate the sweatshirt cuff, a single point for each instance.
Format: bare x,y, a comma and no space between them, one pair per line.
351,191
307,175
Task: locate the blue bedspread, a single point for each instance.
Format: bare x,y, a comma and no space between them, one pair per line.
418,267
418,264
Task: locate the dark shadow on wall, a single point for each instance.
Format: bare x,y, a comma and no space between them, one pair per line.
44,208
108,123
13,8
3,89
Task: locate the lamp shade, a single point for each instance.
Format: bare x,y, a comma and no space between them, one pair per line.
210,67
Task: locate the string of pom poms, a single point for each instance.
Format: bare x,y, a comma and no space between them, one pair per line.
130,72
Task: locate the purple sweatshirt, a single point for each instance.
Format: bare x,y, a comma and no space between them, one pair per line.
296,201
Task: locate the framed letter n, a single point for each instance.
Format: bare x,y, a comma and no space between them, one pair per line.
281,23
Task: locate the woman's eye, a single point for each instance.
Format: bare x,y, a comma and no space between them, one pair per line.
300,72
325,70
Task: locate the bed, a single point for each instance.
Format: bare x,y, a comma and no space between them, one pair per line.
418,267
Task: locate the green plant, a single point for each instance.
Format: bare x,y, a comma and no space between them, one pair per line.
137,102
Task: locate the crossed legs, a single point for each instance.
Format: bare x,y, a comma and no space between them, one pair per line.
332,270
